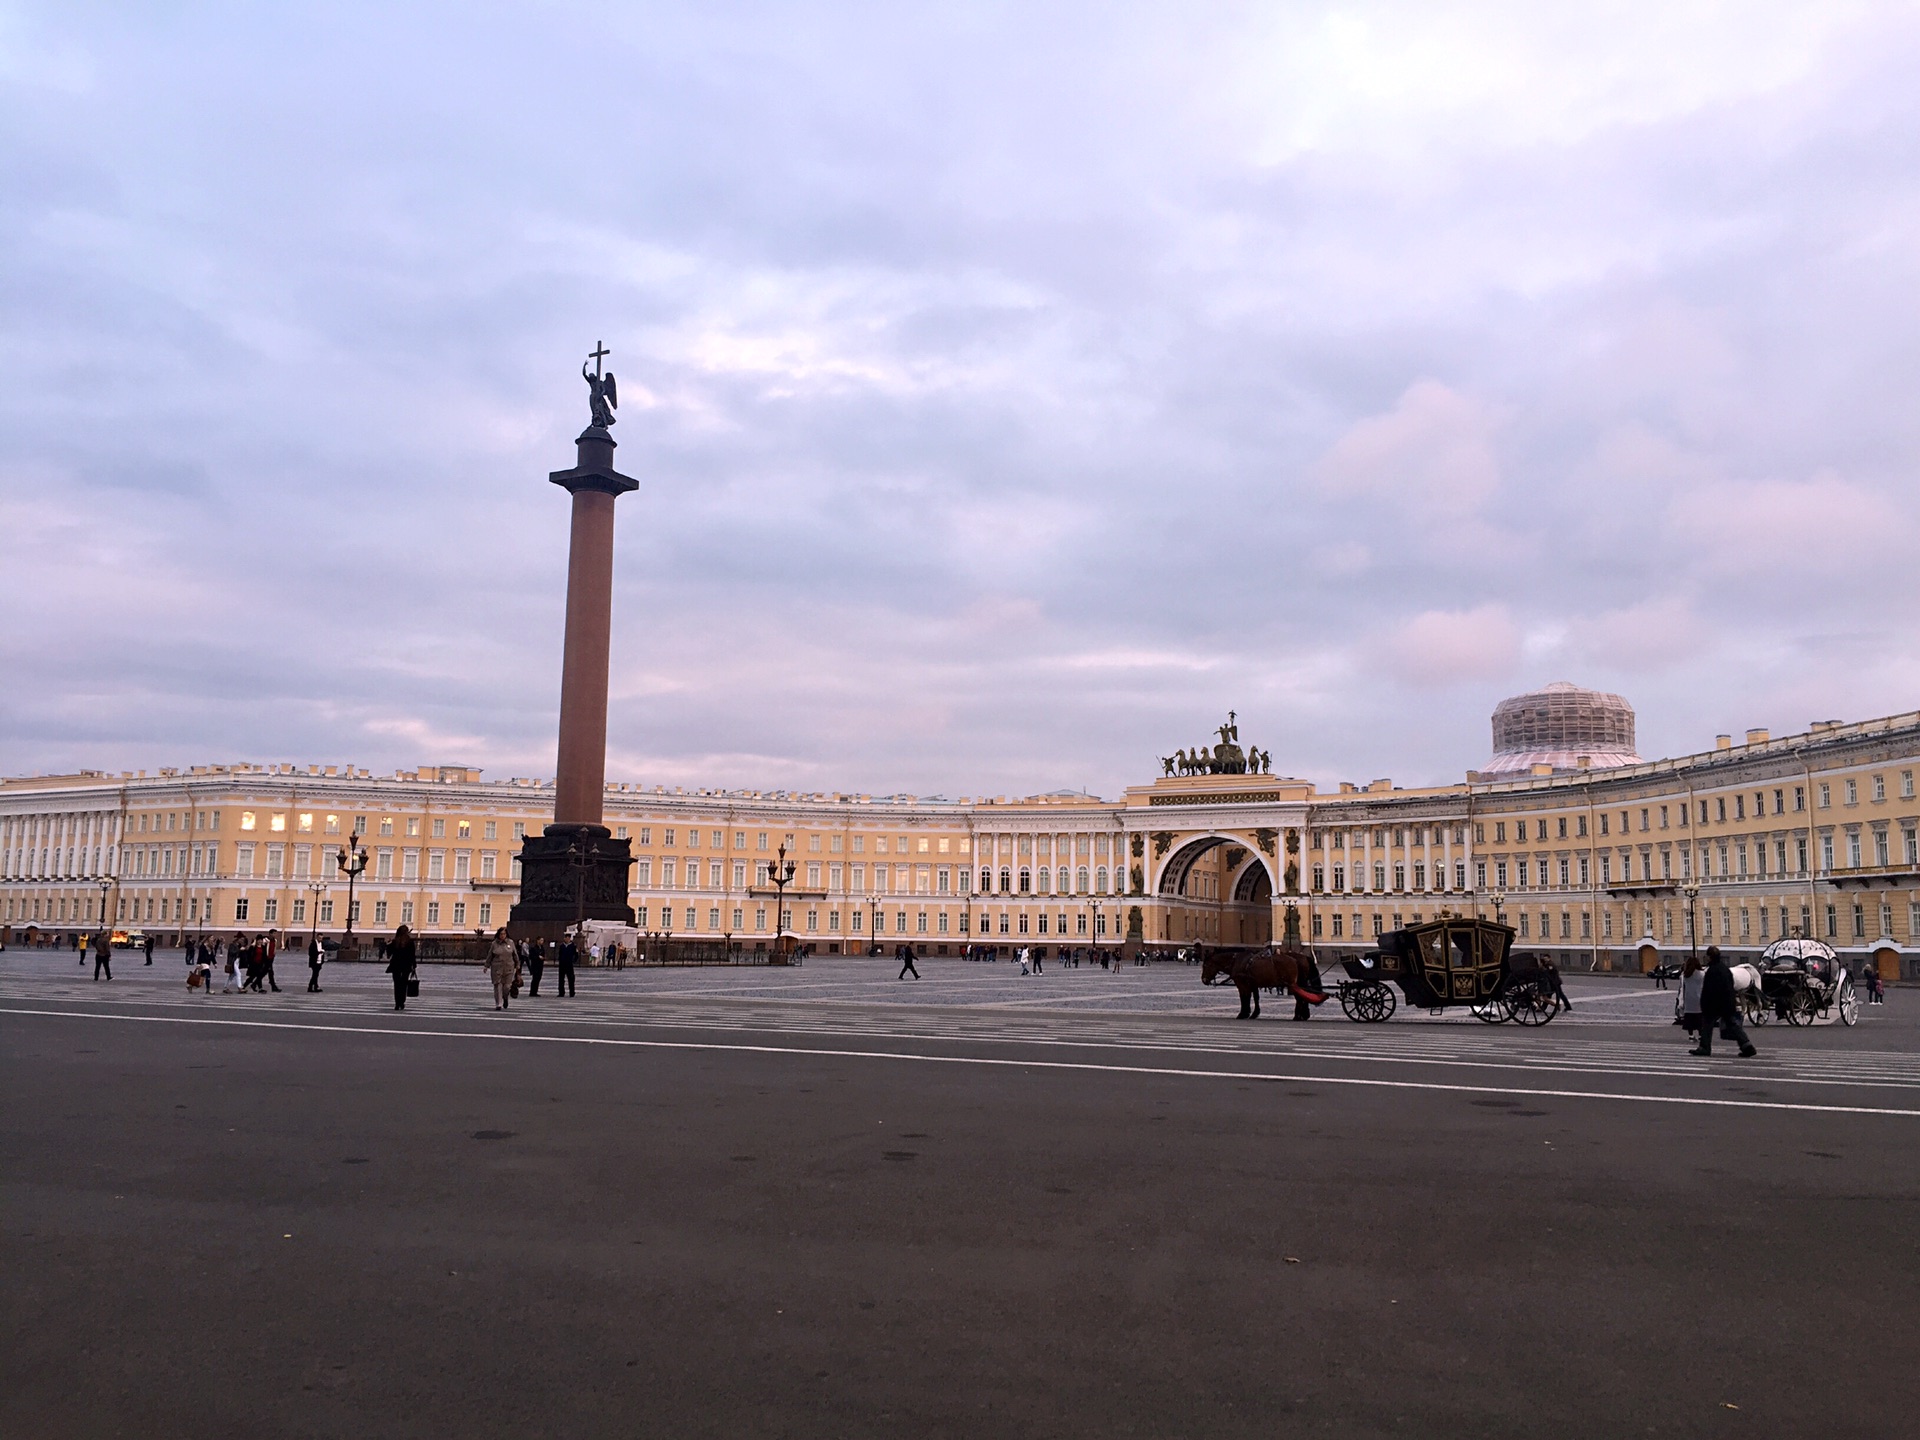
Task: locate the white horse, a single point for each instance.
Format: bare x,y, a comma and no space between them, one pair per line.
1746,978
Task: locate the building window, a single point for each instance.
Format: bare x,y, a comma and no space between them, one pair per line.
379,912
433,912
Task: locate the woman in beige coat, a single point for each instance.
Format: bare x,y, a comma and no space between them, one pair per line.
502,962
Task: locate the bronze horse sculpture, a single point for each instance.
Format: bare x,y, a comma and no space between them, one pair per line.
1286,969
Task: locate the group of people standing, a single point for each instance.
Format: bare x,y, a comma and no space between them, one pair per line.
508,960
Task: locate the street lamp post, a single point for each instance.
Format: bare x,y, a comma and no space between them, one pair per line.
352,861
1691,889
1499,907
580,856
105,924
873,940
781,874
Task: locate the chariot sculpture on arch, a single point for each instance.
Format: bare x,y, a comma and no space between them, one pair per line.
1226,758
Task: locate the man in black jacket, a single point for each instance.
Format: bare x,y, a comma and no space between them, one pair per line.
1717,1006
567,956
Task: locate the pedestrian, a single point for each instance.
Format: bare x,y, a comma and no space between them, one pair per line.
268,944
502,964
149,949
1875,994
536,964
1692,975
102,946
255,967
1021,956
1717,1007
568,954
316,957
400,965
1550,974
1038,951
906,963
231,966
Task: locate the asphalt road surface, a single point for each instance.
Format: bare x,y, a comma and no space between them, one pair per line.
717,1206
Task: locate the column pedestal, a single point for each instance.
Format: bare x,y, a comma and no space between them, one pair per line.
571,873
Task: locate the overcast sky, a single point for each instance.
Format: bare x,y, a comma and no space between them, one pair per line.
1013,389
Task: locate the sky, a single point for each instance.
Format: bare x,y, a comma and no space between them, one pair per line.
1014,389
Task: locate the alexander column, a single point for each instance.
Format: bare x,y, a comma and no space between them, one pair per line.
577,870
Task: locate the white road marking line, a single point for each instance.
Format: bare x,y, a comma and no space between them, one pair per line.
1076,1065
1588,1058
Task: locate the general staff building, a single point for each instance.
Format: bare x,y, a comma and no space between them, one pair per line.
1594,855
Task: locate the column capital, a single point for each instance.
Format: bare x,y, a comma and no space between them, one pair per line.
594,468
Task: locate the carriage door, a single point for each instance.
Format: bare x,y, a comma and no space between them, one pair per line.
1476,963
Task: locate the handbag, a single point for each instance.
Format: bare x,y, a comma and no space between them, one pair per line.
513,990
413,987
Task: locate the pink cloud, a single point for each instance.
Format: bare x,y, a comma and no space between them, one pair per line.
1445,647
1432,452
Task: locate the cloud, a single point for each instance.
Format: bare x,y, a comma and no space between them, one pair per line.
1783,527
1438,648
1013,391
1433,453
1639,638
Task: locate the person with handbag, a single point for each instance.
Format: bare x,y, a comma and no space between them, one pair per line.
502,964
400,965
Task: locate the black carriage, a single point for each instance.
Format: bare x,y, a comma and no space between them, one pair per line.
1802,981
1448,963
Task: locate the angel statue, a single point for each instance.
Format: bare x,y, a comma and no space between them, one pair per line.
1167,762
601,394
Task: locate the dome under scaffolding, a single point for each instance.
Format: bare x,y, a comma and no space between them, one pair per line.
1562,726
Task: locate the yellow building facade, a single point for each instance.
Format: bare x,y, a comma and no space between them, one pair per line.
1816,833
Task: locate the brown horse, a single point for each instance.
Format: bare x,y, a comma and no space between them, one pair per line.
1291,970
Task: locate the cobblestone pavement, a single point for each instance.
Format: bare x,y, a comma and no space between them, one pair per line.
1160,989
819,1202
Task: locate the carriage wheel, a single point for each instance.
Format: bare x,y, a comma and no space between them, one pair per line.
1802,1008
1529,1006
1759,1012
1493,1010
1372,1002
1349,1002
1849,1002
